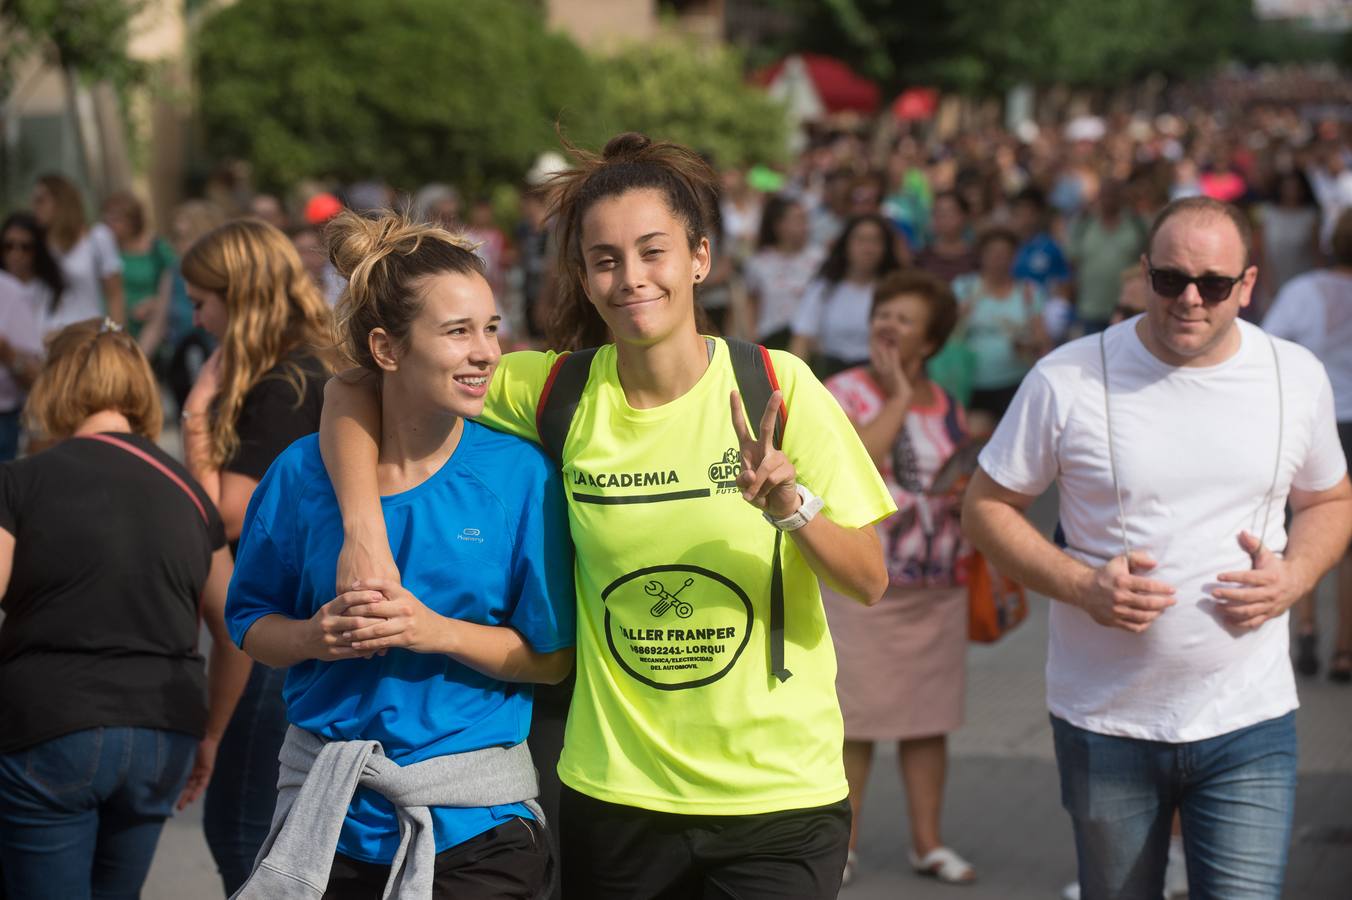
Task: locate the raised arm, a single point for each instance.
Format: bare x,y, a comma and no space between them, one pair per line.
879,434
349,440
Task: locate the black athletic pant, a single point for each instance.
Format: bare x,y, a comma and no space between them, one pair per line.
509,862
615,852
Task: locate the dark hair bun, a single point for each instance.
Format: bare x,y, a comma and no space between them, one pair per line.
625,146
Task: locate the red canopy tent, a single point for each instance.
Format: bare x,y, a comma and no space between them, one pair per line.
837,87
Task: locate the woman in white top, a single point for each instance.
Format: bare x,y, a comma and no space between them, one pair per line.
24,255
778,274
89,258
832,325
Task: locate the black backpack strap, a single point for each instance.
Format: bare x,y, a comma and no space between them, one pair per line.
558,401
756,381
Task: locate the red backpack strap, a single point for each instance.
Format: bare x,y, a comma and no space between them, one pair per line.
150,460
559,399
756,381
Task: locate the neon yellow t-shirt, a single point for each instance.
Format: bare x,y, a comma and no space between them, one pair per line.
675,708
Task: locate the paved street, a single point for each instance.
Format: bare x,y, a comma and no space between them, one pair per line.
1003,810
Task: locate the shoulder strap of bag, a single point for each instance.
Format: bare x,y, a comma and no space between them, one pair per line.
952,424
559,399
152,461
756,381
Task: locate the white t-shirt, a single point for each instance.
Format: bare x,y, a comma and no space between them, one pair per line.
93,258
38,295
1195,450
780,280
21,331
837,316
1315,311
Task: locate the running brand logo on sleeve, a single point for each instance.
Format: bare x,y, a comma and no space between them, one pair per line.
676,627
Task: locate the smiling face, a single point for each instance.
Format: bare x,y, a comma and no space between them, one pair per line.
445,361
902,322
640,269
1185,330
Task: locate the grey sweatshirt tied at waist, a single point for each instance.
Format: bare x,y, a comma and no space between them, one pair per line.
315,783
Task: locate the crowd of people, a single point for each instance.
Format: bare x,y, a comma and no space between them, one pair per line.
801,364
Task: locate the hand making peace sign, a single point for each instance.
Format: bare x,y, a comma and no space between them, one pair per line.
767,479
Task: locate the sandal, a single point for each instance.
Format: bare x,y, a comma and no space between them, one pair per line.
1307,663
1340,670
945,865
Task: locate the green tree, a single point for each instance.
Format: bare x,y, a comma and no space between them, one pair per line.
88,37
675,90
85,39
408,90
988,45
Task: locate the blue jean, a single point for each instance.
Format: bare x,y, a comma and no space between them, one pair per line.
243,790
80,814
1235,794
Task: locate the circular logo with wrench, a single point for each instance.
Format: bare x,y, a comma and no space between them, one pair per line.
676,627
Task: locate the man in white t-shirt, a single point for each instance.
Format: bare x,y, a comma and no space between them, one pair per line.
1168,675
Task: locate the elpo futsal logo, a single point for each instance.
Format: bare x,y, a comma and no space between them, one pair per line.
724,472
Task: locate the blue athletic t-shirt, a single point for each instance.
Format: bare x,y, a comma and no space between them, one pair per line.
485,539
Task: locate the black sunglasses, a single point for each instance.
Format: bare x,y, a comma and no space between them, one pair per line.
1170,283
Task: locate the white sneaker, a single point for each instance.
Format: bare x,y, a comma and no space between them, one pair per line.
1071,891
851,866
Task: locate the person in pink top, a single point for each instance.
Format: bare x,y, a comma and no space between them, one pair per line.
901,663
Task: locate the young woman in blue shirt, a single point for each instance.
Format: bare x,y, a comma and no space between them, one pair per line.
478,523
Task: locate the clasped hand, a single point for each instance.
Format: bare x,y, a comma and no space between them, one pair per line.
375,615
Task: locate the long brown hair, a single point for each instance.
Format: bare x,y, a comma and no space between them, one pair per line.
629,162
68,223
272,308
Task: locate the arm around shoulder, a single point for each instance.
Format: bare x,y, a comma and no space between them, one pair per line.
349,441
